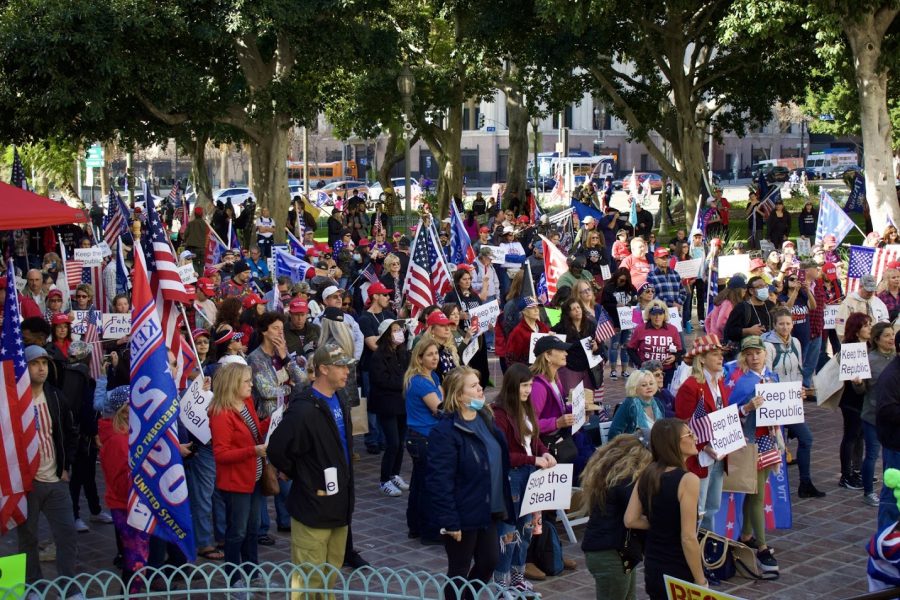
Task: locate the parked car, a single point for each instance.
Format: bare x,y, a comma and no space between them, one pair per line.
345,186
777,173
655,182
845,171
376,191
236,195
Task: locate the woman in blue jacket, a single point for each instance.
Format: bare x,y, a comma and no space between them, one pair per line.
640,410
468,480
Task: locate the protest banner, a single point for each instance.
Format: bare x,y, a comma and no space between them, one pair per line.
89,257
831,311
79,321
688,269
604,272
274,421
626,317
593,359
498,256
116,325
548,489
679,589
855,362
733,264
803,246
194,404
534,338
675,318
728,435
469,353
577,400
485,316
187,274
783,403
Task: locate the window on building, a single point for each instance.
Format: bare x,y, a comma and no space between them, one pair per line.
567,118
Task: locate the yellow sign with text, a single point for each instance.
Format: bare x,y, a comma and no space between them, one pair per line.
677,589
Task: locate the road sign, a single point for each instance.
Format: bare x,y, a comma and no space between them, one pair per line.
94,156
491,129
363,161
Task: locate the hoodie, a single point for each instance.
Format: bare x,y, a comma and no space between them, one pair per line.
114,462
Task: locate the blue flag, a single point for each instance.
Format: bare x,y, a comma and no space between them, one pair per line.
777,507
461,251
857,193
291,266
122,282
832,219
295,246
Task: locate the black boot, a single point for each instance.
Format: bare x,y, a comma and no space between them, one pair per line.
808,490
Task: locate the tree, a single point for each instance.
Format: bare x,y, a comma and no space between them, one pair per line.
683,68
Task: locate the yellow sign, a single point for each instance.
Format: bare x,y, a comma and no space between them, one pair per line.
12,575
677,589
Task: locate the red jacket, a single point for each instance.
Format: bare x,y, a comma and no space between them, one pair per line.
686,403
519,341
114,462
234,449
517,455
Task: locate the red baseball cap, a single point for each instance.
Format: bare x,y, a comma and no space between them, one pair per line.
757,263
210,271
661,252
363,242
200,332
484,229
252,300
379,288
298,306
830,271
312,253
437,318
205,285
60,319
54,294
523,219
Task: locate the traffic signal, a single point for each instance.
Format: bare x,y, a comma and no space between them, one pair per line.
480,121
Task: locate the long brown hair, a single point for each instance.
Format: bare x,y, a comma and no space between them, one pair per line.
520,413
620,461
665,446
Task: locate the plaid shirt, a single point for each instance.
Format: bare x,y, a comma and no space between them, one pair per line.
890,301
817,314
667,286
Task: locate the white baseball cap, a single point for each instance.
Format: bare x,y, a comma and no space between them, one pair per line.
331,290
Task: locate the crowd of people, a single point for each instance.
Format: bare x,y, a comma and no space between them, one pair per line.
334,355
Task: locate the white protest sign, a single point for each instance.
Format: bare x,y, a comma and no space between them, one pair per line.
79,321
469,353
855,362
548,489
576,397
732,264
104,248
783,403
604,272
626,317
803,246
194,404
275,419
765,246
728,435
831,311
89,257
593,359
187,274
675,317
534,339
688,269
485,316
498,256
116,325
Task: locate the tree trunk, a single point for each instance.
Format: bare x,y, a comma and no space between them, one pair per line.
199,174
446,146
517,160
223,165
269,168
108,149
865,36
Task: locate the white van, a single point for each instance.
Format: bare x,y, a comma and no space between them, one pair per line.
823,164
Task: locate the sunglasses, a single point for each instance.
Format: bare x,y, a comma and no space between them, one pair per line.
81,295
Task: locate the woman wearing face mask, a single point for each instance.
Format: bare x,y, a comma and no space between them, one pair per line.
618,293
750,317
640,409
387,366
468,480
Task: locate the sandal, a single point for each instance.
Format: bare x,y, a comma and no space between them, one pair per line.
211,554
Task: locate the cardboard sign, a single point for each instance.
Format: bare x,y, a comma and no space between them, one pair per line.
626,317
604,272
89,257
678,589
469,353
855,362
593,359
498,256
79,321
783,403
485,316
578,401
534,338
688,269
675,318
276,417
732,264
831,311
803,246
12,575
728,435
187,274
548,489
194,404
116,325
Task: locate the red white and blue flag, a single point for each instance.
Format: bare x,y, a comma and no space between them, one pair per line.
776,507
768,451
427,279
869,261
295,246
554,266
18,172
92,337
215,248
699,423
461,251
605,329
832,219
116,222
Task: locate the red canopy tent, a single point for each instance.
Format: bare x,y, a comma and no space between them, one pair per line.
21,209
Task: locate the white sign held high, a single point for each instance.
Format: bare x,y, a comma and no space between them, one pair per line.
89,257
733,264
578,407
194,404
783,403
728,435
116,325
548,489
675,318
187,274
593,359
855,362
485,316
626,317
688,269
469,353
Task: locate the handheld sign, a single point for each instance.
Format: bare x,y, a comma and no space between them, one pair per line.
194,404
675,318
733,264
485,316
728,435
688,269
187,274
534,339
678,589
469,353
548,489
626,317
104,248
89,257
803,246
79,321
593,359
116,325
604,272
831,311
12,575
275,420
576,397
783,403
855,362
498,256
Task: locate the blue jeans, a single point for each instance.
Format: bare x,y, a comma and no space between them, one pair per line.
804,448
240,535
513,554
282,516
374,439
418,507
617,348
220,516
887,509
870,436
201,480
711,493
810,360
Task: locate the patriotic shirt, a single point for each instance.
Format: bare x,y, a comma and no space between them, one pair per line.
655,344
47,469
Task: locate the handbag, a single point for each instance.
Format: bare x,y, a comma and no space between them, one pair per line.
742,476
268,481
632,550
561,446
725,558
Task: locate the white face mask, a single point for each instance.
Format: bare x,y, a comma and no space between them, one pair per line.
398,337
762,294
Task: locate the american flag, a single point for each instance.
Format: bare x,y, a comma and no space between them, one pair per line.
295,246
175,192
92,337
768,451
605,328
700,424
425,266
187,362
116,222
558,194
712,289
18,423
369,273
74,273
18,173
542,289
869,261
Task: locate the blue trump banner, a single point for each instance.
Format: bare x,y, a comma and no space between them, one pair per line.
158,501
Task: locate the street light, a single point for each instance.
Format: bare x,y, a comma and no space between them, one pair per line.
406,83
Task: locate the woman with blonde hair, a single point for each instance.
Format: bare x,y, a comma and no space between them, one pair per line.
640,409
889,291
239,450
468,480
606,485
391,280
656,339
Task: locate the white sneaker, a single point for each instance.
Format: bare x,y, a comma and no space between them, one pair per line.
389,489
400,483
102,517
47,553
81,526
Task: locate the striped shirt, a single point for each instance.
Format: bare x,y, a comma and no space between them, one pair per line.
254,430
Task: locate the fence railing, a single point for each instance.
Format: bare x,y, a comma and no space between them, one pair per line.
264,581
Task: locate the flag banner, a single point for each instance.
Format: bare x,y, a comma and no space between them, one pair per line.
832,220
777,507
18,172
427,279
554,266
605,330
712,285
557,194
92,337
869,261
294,243
857,195
115,224
286,264
566,215
461,251
700,424
158,501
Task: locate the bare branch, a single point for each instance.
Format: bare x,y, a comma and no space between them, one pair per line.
165,117
258,72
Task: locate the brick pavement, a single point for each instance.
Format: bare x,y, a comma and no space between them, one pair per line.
822,557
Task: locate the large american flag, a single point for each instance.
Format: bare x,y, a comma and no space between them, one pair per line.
427,280
712,288
116,223
605,329
699,423
92,337
18,423
869,261
74,273
18,173
768,451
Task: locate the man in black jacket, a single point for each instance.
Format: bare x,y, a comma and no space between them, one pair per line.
887,425
312,446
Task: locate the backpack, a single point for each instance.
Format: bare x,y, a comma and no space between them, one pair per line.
545,550
780,353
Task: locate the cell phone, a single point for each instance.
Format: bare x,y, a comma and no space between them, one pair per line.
801,276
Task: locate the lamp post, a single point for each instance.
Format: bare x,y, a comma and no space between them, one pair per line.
406,83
